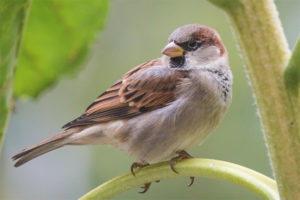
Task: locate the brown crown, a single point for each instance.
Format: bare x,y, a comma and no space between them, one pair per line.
202,33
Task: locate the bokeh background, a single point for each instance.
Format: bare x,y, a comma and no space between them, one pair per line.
135,31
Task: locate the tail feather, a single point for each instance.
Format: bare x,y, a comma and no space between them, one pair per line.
42,147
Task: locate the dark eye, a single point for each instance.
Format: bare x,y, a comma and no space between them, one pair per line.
192,44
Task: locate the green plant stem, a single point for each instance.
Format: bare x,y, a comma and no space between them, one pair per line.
266,53
261,185
13,15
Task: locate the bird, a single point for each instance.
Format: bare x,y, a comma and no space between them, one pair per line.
160,108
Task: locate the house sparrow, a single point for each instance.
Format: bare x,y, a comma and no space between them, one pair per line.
159,108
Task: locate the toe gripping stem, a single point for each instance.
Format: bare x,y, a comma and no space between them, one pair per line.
135,165
181,155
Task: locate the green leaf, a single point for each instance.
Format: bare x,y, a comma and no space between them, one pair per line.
292,71
261,185
13,14
292,83
56,41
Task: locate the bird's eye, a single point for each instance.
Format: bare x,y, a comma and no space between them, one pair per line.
192,44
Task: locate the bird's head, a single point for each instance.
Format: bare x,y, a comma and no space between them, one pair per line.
193,45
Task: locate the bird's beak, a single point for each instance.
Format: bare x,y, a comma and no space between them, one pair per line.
172,50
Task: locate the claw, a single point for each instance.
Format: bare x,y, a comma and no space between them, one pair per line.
181,155
172,162
145,187
136,165
192,181
133,166
140,165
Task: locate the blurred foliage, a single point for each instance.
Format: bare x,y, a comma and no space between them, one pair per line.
12,18
56,41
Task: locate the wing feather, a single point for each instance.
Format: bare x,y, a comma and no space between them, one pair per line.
147,87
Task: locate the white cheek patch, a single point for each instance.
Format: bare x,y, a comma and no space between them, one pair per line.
204,55
209,53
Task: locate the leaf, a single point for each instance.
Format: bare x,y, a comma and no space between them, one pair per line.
56,41
292,71
292,83
13,14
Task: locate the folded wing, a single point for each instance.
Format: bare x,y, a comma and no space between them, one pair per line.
145,88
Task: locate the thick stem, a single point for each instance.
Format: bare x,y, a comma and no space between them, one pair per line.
261,185
266,53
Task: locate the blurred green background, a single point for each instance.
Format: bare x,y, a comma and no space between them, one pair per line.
135,32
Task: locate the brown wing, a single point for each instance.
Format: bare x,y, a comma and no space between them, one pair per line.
147,87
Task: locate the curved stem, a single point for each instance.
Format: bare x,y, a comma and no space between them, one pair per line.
261,185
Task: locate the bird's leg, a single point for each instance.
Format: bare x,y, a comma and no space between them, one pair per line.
134,165
181,155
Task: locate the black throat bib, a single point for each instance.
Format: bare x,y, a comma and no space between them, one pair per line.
177,62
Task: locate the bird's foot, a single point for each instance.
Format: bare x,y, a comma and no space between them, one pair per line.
137,165
134,165
181,155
